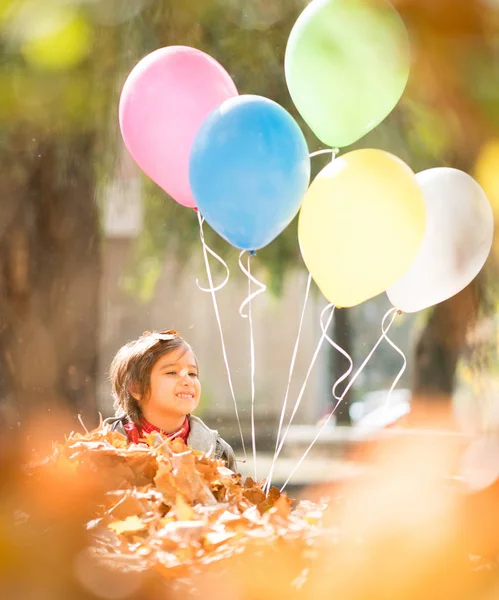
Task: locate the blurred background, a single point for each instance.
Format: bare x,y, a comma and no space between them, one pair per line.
92,253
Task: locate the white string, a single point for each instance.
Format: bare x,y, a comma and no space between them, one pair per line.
345,354
290,375
220,260
213,291
333,151
252,353
251,296
403,368
345,391
331,308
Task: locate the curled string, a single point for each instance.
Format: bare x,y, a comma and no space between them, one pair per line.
384,331
329,307
212,290
345,354
395,347
251,296
290,375
206,248
333,151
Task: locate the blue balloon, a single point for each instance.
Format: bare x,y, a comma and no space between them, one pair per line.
249,170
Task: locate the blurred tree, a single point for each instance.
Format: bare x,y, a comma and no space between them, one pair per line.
449,112
49,231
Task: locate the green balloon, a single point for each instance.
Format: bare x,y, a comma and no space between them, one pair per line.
346,65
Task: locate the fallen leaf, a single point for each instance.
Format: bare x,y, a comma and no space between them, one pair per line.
183,510
131,524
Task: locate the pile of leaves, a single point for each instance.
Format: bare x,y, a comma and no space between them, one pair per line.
171,509
103,519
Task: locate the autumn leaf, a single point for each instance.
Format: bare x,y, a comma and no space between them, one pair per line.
209,470
183,511
165,482
255,495
215,538
281,508
131,524
189,481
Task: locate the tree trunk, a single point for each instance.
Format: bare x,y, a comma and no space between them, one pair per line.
49,280
437,353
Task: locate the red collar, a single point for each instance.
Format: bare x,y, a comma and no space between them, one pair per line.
136,433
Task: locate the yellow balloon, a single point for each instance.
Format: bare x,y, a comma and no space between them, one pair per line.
361,224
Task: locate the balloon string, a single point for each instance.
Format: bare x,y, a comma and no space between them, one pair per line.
329,307
333,151
251,296
212,290
345,354
221,261
384,332
404,364
290,375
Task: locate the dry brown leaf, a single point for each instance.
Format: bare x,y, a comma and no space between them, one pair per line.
189,482
255,495
273,495
249,483
209,470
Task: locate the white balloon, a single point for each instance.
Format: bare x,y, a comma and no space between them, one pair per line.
457,242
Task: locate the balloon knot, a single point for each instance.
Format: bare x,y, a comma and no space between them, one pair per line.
252,252
399,312
195,209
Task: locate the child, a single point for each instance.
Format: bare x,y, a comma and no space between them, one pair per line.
155,382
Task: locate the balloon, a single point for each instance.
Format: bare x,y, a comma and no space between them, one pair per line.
346,66
249,170
456,244
164,101
361,223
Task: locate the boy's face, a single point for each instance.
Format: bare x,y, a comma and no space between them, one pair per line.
175,387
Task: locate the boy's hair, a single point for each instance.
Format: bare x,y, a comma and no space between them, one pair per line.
131,369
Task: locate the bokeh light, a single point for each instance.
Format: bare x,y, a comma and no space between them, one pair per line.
52,36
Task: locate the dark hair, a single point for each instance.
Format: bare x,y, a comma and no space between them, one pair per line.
131,369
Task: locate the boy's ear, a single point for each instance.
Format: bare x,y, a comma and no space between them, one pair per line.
133,390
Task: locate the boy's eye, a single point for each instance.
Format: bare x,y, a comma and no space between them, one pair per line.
193,374
171,373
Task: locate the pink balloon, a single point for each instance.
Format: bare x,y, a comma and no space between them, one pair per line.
163,103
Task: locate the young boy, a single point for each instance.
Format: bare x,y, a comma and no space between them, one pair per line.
155,382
